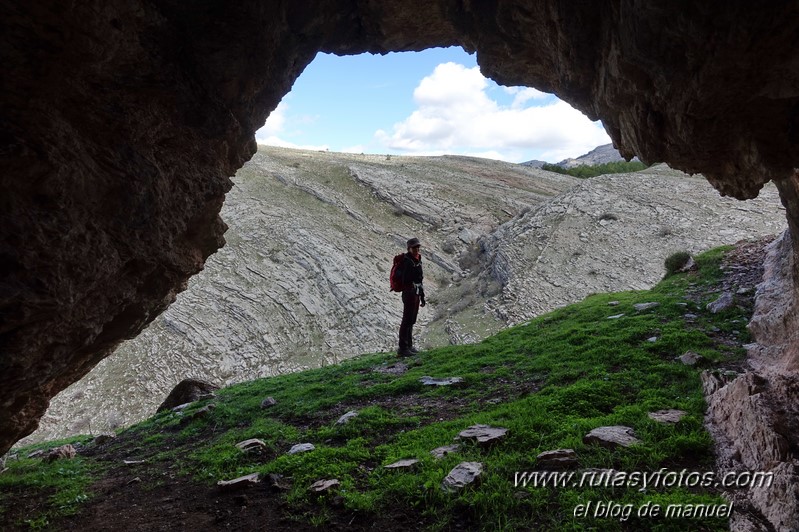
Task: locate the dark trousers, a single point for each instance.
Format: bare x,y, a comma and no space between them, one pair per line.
410,309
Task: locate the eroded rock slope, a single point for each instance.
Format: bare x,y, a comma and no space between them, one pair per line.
303,278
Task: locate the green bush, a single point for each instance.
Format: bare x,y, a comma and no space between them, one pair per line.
585,171
676,261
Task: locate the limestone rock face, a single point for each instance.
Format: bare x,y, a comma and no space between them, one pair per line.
754,417
122,122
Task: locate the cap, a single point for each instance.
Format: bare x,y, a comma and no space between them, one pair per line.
413,242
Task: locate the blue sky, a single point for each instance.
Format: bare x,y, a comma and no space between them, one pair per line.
433,102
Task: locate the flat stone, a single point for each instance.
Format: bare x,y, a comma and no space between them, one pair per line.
63,452
433,381
557,459
615,316
134,462
483,433
689,358
36,454
398,368
302,448
612,437
343,420
251,445
403,464
324,485
724,301
278,482
462,475
667,416
268,402
640,307
613,303
239,483
440,452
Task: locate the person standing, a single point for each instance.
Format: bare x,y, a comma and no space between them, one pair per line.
412,295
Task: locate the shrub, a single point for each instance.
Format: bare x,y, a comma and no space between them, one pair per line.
676,261
585,171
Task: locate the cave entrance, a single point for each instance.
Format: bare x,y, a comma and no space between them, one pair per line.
434,102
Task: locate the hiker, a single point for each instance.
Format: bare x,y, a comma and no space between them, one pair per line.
411,276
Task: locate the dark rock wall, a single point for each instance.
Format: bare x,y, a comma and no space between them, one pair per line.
122,121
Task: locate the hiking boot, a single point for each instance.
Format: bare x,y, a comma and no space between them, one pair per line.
406,352
413,350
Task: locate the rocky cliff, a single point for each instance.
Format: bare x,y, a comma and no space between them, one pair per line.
123,121
302,280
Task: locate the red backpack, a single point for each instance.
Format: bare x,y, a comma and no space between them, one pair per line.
395,277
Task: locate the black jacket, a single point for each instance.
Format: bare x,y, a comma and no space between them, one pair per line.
411,271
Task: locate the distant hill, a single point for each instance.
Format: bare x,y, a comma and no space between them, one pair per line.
535,163
599,155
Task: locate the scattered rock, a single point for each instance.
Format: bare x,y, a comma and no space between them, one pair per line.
403,464
343,420
615,316
612,436
689,358
397,368
440,452
433,381
613,303
461,476
278,482
302,448
557,459
188,391
640,307
63,452
689,316
321,486
689,265
652,339
268,402
483,433
467,236
239,483
744,290
667,416
134,462
251,445
725,301
37,453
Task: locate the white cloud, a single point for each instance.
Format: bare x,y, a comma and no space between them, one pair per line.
271,132
455,114
275,123
522,95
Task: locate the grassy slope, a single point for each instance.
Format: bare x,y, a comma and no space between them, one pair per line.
548,382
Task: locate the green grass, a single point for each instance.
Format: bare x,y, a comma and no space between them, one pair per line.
65,483
548,381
